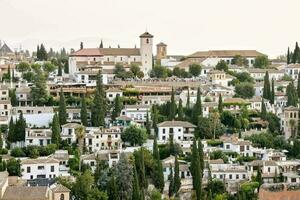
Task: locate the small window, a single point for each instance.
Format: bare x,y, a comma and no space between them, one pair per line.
28,170
52,168
62,197
147,41
41,167
237,176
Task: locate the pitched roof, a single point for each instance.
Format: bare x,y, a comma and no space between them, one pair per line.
146,35
176,124
70,125
5,49
60,188
25,193
97,52
225,53
39,161
161,44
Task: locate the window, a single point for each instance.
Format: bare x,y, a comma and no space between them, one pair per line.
147,41
171,130
244,176
5,106
237,176
164,130
52,168
92,163
28,169
62,197
70,131
179,130
41,167
31,176
230,176
269,169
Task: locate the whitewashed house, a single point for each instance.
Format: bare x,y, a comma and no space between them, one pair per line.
138,113
37,137
68,132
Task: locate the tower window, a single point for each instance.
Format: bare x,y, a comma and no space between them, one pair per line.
147,41
62,197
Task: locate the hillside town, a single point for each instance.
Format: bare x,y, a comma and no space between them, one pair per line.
137,123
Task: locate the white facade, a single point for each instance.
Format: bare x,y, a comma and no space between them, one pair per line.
68,132
39,168
38,137
137,113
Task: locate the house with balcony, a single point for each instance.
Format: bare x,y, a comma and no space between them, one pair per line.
37,137
138,113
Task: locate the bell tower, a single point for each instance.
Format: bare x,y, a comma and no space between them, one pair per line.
161,51
146,45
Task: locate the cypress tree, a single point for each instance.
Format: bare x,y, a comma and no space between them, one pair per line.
292,95
99,107
272,93
148,124
172,112
180,110
83,112
263,109
195,155
142,175
298,85
101,45
158,176
220,105
117,107
171,179
136,193
177,180
11,131
81,45
201,157
112,188
267,90
38,56
196,171
197,110
188,99
20,128
1,140
296,54
288,58
55,139
13,97
62,112
171,144
154,116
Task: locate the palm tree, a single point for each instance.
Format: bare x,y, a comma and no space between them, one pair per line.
292,123
80,134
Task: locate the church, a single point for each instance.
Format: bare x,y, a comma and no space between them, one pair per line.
85,63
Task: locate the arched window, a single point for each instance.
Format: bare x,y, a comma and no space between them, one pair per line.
147,41
62,197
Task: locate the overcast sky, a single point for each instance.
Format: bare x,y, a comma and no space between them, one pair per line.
186,26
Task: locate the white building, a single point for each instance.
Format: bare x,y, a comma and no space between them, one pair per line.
137,113
289,121
39,168
259,74
94,59
68,132
182,132
37,137
292,70
112,93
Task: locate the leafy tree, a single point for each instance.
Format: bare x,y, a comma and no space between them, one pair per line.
196,171
195,69
177,181
134,135
244,90
298,85
136,70
14,167
49,67
160,72
288,57
83,112
28,76
239,61
296,54
124,178
62,110
117,107
261,62
99,104
55,139
216,187
39,93
177,72
222,66
23,67
220,104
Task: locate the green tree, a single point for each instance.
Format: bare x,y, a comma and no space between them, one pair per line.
171,184
124,178
197,109
291,94
148,124
136,70
244,90
173,106
112,191
80,135
134,135
195,69
261,62
62,110
13,97
267,87
20,128
83,112
11,137
220,104
222,66
296,54
136,193
55,138
180,111
272,92
81,45
288,56
177,180
23,67
188,99
99,104
263,109
158,176
42,53
196,171
14,167
239,61
39,93
298,85
117,107
154,116
119,71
